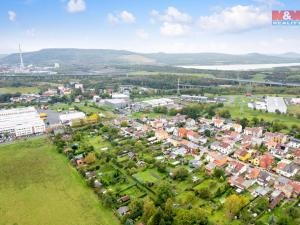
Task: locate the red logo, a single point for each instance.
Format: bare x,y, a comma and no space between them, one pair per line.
285,15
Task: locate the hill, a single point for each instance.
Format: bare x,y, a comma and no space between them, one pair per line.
95,58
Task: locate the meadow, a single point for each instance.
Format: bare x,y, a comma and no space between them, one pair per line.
24,90
39,186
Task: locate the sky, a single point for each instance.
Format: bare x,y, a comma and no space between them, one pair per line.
176,26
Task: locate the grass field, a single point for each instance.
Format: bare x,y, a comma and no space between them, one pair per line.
39,186
24,90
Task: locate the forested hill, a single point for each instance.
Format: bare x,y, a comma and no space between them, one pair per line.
106,57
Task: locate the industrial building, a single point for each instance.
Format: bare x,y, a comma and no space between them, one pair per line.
117,103
120,96
194,98
276,104
21,122
68,117
158,102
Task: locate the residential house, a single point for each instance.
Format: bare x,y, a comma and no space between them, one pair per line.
276,137
182,132
254,131
190,123
240,182
287,168
282,184
222,147
218,122
253,173
215,159
264,178
193,136
237,127
294,143
122,211
242,154
160,134
266,161
235,167
275,198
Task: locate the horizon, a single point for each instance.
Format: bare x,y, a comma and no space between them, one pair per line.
110,49
231,27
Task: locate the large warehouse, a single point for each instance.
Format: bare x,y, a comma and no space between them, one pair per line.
21,122
68,117
276,103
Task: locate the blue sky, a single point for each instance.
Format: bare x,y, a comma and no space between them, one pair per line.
147,25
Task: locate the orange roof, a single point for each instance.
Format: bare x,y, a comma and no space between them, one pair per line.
254,173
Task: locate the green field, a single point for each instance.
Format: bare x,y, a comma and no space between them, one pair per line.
39,186
24,90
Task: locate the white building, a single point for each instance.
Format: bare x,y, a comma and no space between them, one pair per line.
295,101
21,122
276,103
70,116
159,102
119,96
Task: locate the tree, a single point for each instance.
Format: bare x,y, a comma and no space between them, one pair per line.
225,114
218,173
90,158
191,217
136,207
164,192
293,212
157,218
108,199
233,205
124,124
262,203
168,210
180,173
204,193
207,133
244,122
149,209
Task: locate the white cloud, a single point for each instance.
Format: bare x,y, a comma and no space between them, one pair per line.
174,29
12,16
141,33
235,19
122,17
76,6
174,22
127,17
171,14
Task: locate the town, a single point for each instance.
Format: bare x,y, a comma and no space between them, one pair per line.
157,150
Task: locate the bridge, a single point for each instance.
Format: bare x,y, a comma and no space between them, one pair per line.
271,83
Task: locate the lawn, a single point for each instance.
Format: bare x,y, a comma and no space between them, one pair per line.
294,109
24,90
39,186
150,175
88,109
151,115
